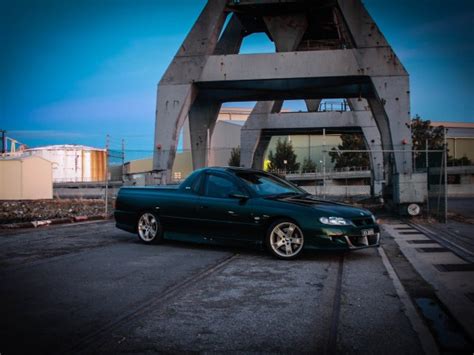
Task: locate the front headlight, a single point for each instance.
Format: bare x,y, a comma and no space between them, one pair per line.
335,221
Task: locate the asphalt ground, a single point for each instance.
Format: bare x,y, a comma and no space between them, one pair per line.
90,288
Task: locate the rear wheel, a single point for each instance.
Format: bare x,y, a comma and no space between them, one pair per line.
149,228
285,239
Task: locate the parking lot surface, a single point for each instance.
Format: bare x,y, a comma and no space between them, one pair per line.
90,288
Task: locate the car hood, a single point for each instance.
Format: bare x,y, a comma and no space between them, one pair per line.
327,208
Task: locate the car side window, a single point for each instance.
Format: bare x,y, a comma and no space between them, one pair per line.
219,186
196,185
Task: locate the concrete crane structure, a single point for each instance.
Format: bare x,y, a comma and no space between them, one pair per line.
323,49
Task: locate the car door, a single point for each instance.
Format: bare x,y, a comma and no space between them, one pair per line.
178,211
225,218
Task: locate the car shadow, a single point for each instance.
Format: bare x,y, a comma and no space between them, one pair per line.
308,255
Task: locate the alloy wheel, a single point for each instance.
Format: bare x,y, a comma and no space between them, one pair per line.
286,239
147,227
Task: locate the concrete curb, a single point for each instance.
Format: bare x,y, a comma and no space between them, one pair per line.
47,222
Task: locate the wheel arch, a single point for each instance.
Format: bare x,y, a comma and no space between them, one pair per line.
276,218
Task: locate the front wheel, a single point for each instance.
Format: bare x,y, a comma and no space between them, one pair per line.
149,228
285,239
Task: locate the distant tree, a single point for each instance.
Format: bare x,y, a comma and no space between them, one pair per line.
422,131
283,152
308,166
350,159
234,157
459,161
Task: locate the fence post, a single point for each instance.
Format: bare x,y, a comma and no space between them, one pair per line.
427,178
324,163
445,176
107,144
123,160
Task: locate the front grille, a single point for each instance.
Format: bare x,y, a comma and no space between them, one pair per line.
360,222
358,241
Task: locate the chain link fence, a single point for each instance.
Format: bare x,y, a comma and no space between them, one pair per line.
325,170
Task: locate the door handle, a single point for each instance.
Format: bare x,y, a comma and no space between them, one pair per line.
203,207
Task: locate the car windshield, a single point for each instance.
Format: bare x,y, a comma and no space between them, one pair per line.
268,185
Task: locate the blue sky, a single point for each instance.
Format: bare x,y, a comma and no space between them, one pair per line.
73,71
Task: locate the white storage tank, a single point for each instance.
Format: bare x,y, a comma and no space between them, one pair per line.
74,163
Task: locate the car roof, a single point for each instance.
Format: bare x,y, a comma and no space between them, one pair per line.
234,169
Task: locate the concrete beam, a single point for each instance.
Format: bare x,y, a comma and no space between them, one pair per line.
293,120
290,65
254,143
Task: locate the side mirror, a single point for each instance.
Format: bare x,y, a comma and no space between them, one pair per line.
238,196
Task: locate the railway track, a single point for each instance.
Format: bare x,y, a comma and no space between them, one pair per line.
331,345
448,240
95,338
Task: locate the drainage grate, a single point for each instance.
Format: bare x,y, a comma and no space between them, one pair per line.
422,241
432,250
454,267
404,228
413,232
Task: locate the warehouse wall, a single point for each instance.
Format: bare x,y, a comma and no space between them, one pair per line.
29,178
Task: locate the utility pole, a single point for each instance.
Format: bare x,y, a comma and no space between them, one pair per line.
4,141
445,175
123,160
427,163
324,163
107,145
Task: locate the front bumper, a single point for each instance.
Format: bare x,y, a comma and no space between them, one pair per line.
348,238
361,242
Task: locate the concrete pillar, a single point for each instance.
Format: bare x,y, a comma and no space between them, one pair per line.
393,106
373,143
249,140
176,92
252,147
173,104
202,119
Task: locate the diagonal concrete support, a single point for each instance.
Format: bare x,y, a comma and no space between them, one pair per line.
300,121
177,92
313,105
286,30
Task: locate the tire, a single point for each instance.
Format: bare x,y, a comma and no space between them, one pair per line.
285,239
149,229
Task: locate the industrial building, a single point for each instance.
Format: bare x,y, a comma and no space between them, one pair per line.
73,163
460,138
25,178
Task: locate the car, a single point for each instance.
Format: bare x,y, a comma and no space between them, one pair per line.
238,206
